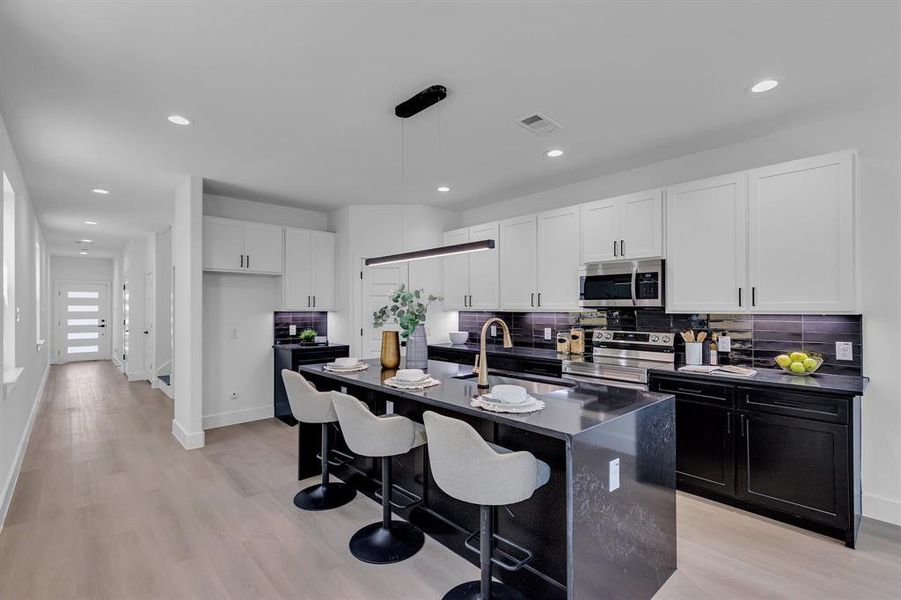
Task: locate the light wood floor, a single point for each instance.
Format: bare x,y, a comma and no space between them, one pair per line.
108,505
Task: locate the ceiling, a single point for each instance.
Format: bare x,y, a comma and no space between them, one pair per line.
292,103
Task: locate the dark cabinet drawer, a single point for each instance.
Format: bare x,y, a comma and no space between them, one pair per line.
832,409
699,392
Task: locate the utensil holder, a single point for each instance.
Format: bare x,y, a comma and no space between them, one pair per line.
694,354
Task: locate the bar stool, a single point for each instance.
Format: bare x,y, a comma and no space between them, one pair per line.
470,469
366,434
311,406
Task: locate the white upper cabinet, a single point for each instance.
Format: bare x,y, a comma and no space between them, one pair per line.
706,245
323,271
456,272
309,281
483,269
626,227
558,259
801,235
519,263
230,245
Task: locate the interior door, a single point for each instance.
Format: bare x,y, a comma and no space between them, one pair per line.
323,270
377,283
484,267
641,225
600,230
298,270
223,244
149,333
82,317
263,248
519,263
456,272
558,259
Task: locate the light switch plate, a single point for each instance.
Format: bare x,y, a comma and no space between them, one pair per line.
292,329
547,333
844,351
614,474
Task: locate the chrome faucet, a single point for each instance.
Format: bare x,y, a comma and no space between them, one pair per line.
482,365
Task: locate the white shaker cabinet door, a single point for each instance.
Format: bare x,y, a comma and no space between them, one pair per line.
600,230
641,225
801,235
223,244
322,270
558,259
706,245
519,263
456,272
298,270
483,269
263,248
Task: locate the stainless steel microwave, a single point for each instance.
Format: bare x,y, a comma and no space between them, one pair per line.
636,283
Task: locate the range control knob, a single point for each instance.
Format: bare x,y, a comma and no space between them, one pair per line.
655,338
665,339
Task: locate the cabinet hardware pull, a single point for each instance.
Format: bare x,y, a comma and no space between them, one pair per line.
539,298
689,391
470,301
242,261
739,296
729,422
464,301
614,247
754,296
314,301
622,247
308,301
742,424
248,261
533,299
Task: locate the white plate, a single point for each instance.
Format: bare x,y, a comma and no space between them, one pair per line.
427,382
356,367
527,400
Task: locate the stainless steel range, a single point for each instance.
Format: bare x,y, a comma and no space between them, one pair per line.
622,358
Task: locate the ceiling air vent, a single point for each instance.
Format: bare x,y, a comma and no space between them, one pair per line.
539,124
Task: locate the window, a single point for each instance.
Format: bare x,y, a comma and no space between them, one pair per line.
9,279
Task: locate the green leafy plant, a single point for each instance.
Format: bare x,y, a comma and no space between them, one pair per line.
406,307
308,335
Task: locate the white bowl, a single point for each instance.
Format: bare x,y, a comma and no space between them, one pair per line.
509,394
411,375
458,337
345,362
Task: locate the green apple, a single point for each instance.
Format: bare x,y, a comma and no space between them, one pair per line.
810,365
798,357
797,367
783,360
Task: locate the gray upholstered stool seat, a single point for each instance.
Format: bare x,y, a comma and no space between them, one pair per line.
470,469
311,406
366,434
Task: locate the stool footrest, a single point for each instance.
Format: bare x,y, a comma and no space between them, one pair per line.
501,557
407,499
342,458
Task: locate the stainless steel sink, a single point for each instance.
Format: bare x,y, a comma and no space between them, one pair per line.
534,385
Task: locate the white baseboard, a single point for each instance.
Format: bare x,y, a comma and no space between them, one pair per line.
882,509
166,389
234,417
139,376
190,441
10,485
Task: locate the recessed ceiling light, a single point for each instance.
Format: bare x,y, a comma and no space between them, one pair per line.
90,222
83,251
554,153
443,188
764,86
100,191
85,242
178,120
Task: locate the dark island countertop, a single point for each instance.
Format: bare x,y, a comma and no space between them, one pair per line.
299,346
818,382
568,411
548,354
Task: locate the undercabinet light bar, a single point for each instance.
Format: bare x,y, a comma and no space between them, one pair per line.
431,253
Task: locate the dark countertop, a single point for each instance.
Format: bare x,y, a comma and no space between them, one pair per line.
308,346
568,411
835,384
534,353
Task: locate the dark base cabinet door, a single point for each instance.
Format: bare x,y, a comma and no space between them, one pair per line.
705,446
797,466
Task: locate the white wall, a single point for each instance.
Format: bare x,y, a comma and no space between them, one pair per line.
134,270
237,347
375,230
163,308
19,402
874,132
79,268
248,210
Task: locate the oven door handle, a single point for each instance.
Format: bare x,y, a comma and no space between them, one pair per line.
634,281
605,381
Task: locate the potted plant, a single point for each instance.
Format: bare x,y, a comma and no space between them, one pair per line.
408,309
308,336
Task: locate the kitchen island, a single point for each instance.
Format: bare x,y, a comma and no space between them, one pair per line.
589,539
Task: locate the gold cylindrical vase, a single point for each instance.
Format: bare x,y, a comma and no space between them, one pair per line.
390,350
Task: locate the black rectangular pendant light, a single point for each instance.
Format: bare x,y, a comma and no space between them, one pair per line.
431,253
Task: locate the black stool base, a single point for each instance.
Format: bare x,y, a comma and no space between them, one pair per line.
471,590
324,496
377,545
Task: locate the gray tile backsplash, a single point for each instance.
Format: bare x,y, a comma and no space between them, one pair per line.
756,339
302,319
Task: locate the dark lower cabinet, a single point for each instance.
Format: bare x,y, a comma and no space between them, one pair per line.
705,451
511,363
797,466
793,456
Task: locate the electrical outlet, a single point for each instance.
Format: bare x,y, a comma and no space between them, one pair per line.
493,330
234,334
614,475
234,395
292,329
844,351
547,333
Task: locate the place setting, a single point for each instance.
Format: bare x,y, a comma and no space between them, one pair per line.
411,379
505,398
346,364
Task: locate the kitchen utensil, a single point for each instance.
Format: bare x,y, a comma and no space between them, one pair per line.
701,337
458,337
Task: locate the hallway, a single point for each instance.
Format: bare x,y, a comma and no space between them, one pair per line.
108,505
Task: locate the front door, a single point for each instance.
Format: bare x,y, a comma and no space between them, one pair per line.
377,283
82,318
